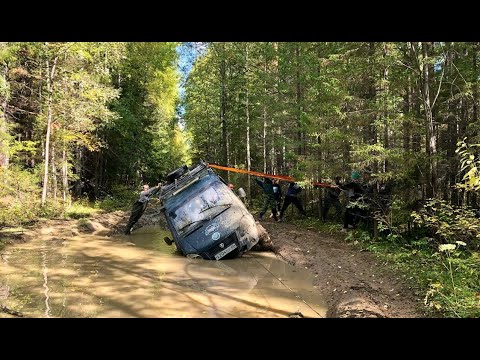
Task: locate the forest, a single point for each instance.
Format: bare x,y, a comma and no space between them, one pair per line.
91,122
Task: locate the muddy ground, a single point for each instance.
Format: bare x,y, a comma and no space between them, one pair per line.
353,282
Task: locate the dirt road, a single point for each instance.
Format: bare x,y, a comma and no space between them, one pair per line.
353,282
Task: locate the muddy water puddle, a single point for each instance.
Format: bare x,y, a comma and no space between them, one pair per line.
141,276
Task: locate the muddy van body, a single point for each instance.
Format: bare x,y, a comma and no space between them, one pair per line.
205,217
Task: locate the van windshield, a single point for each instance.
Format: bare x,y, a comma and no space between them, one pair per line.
201,207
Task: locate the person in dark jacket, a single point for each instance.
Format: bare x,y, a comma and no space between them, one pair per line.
278,196
269,199
358,195
140,206
291,197
332,195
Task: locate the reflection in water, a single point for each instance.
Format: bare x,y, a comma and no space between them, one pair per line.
64,265
151,237
45,280
95,276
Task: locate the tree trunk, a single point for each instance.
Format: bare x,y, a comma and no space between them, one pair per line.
431,139
54,173
264,138
247,116
50,74
406,122
98,171
223,105
372,95
475,84
272,150
416,137
450,139
64,174
299,102
385,88
4,149
265,115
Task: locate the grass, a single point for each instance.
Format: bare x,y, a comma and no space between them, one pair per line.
122,199
449,283
80,210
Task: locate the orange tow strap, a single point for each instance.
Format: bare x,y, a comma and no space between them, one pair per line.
259,174
324,185
254,173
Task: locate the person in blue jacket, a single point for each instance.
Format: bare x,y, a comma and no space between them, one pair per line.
291,198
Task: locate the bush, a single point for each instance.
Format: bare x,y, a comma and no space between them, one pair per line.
121,198
79,210
51,209
448,223
19,196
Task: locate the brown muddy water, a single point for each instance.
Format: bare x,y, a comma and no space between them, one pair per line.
140,276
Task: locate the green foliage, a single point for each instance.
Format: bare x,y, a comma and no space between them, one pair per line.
144,141
448,223
80,209
446,277
392,218
359,235
7,57
317,224
19,193
470,165
53,208
456,292
121,198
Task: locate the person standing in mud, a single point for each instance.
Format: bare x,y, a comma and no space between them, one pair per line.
291,197
269,199
140,206
278,196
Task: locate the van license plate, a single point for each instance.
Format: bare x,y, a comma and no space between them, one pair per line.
225,251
